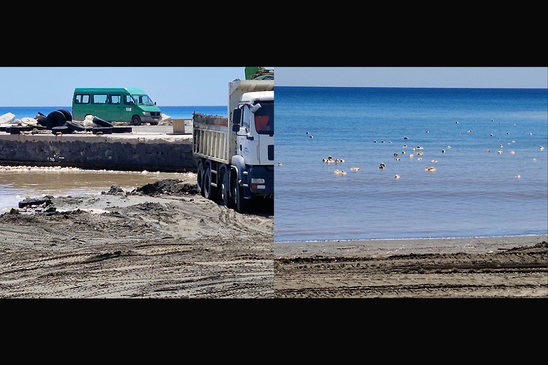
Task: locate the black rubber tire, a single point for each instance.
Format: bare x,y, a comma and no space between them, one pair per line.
75,126
224,188
242,205
15,129
101,122
42,119
122,129
63,129
104,130
66,113
200,178
208,189
55,119
136,120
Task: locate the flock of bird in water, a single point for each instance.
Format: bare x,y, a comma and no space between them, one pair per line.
417,151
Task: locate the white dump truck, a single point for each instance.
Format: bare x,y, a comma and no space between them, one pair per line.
235,155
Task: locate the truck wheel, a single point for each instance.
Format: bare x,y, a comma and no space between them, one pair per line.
136,120
242,205
207,183
200,178
225,187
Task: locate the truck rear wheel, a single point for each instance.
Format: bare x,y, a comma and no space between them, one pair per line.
210,192
200,178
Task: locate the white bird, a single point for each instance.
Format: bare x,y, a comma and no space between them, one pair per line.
430,169
397,176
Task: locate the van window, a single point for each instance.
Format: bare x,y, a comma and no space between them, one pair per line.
143,99
81,99
114,99
128,100
99,99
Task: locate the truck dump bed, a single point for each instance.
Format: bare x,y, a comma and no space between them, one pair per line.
210,137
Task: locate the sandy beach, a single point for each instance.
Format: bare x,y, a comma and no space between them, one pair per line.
163,241
427,268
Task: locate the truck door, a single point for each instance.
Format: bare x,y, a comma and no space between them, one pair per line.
263,119
247,140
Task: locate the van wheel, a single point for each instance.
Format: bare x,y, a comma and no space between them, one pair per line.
136,120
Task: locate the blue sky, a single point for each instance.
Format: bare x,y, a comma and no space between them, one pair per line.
194,86
456,77
54,86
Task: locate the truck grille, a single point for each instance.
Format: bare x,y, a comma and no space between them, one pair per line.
271,152
154,114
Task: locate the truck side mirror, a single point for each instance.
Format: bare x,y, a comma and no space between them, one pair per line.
255,108
236,116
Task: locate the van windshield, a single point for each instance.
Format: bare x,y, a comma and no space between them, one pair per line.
142,99
264,118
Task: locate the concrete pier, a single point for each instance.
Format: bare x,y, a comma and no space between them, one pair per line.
152,148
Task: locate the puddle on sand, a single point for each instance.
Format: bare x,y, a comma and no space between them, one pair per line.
16,183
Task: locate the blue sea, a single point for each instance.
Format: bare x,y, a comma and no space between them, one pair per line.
473,192
175,112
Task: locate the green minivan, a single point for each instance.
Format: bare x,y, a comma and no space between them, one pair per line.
128,104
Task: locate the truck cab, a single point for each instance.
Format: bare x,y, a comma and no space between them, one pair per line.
256,128
235,155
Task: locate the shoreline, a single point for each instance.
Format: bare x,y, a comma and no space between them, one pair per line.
469,267
402,246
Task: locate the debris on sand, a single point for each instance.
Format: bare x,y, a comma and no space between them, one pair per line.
169,187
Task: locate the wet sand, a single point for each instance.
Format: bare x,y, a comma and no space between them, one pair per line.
452,267
168,242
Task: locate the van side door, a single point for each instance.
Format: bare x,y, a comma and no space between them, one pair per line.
116,107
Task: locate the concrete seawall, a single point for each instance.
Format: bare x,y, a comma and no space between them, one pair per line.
127,151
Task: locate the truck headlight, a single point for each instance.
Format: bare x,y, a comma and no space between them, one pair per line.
257,181
147,114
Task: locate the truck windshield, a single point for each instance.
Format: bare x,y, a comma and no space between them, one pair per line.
142,99
264,118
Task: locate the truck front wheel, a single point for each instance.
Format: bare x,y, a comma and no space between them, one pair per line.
136,120
241,203
225,187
